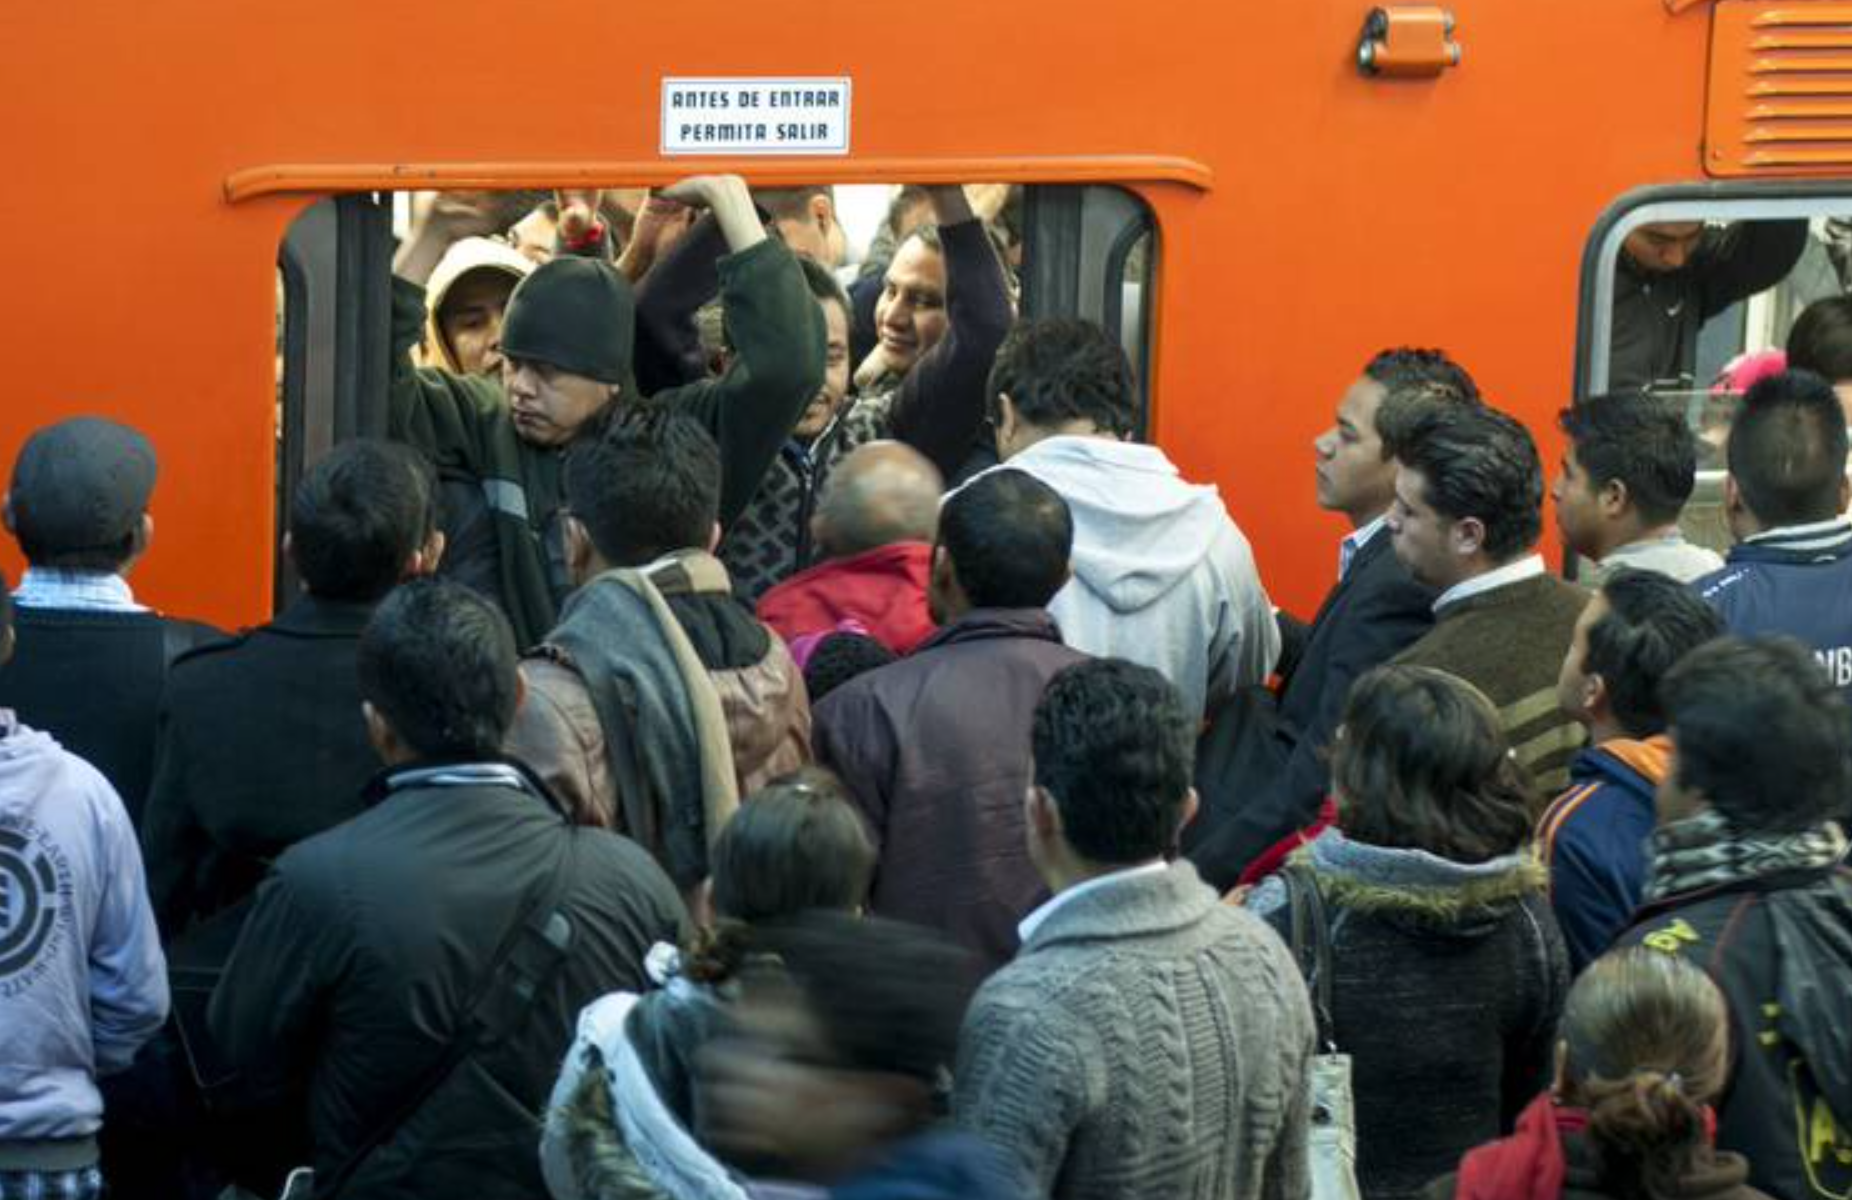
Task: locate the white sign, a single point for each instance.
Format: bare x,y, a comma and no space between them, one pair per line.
755,116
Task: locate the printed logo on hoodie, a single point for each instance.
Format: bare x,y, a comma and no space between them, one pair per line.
35,903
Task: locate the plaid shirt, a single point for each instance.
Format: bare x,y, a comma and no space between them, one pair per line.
86,1184
84,591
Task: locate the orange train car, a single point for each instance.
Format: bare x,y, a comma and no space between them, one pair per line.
1323,177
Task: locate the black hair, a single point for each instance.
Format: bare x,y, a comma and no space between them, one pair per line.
797,843
1787,449
1652,622
1113,747
822,284
1480,463
792,203
107,558
1642,442
839,658
437,661
889,997
1009,536
1761,731
358,515
1061,369
1411,378
647,485
1421,763
1820,340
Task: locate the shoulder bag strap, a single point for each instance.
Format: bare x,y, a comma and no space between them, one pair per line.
1311,932
497,990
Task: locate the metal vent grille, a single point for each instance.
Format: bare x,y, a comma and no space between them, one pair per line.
1780,88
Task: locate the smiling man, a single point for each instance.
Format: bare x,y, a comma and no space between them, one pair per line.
566,347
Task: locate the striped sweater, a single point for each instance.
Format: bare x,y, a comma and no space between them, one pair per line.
1510,643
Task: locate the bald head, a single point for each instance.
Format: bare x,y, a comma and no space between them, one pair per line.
882,493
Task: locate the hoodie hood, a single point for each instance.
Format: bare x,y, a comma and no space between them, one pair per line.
26,754
1812,929
463,257
1138,527
1413,887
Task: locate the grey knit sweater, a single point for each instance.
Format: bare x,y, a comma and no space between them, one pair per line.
1147,1042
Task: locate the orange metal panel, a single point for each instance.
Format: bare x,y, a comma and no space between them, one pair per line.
1759,50
1346,214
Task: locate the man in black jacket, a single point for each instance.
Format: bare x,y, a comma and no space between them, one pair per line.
1675,275
1746,882
91,660
1262,770
418,971
261,740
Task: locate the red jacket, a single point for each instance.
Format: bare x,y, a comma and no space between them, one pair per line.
884,589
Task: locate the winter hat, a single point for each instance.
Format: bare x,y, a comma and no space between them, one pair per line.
81,484
576,314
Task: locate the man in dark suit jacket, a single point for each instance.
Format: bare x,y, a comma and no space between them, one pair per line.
262,742
1261,770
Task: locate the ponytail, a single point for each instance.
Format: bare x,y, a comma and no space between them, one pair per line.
1649,1131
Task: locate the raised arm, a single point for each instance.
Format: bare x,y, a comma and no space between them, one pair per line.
1748,257
941,403
777,334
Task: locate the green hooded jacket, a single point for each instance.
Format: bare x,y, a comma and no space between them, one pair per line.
463,424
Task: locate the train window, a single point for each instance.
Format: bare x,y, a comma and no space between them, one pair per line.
1683,288
1083,251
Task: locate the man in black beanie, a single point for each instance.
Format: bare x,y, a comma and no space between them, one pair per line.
566,346
91,661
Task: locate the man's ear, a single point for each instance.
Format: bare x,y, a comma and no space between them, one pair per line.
1192,804
427,558
520,688
579,549
822,213
713,537
1468,536
1845,493
380,734
1613,498
1043,817
1594,694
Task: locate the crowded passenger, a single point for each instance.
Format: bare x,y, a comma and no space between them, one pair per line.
1446,971
1263,769
935,748
945,312
89,660
836,658
1629,468
468,297
1466,519
81,970
835,1081
1747,882
262,742
631,1075
1148,1041
566,345
1636,628
1162,575
1643,1054
659,699
1673,276
414,974
805,220
1785,497
873,532
1820,340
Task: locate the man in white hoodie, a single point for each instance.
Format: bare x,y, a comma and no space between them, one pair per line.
82,981
1162,575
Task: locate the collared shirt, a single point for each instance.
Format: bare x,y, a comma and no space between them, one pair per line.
82,591
460,775
1816,535
1358,539
1036,919
1528,567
